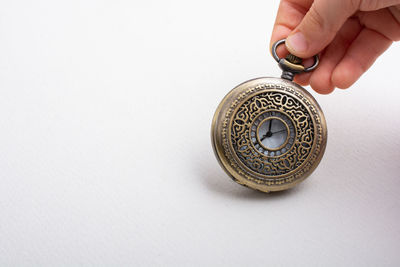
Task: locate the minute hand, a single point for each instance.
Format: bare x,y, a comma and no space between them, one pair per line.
262,138
284,130
270,125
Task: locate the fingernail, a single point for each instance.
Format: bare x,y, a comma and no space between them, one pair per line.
297,43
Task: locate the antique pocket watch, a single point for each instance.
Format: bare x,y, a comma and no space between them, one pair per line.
269,133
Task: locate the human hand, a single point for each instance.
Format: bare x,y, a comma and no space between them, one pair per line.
349,34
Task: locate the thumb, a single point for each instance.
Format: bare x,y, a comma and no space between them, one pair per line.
319,26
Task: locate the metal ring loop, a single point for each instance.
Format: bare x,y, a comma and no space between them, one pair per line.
275,55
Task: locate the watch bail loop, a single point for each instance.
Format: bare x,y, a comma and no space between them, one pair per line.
291,64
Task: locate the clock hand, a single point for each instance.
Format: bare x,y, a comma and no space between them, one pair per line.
268,133
279,131
265,136
270,125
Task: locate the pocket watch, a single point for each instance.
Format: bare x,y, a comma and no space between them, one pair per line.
269,133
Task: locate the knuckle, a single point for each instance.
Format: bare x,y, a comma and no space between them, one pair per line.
317,22
315,18
368,5
354,4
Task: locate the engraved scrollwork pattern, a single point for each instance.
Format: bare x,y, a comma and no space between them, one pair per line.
241,129
247,160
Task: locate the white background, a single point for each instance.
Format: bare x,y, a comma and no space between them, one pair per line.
105,155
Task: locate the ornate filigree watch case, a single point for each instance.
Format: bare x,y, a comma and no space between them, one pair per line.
270,133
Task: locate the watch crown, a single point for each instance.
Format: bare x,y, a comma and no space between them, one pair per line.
293,59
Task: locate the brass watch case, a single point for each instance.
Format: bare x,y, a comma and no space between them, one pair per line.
236,147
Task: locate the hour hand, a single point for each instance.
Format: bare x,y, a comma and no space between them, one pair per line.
264,136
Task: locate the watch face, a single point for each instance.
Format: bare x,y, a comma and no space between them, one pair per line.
272,133
269,134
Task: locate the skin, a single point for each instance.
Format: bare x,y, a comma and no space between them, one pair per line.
349,35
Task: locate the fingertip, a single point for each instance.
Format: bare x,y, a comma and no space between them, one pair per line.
320,81
303,79
308,62
323,90
346,74
297,44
